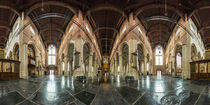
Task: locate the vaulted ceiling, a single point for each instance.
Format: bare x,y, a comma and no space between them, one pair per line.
106,18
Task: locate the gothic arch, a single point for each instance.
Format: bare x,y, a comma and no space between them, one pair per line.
125,53
32,52
16,52
31,59
178,60
86,52
70,52
140,57
140,52
70,56
93,59
125,56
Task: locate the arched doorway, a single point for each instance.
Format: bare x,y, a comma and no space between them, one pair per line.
70,58
125,57
31,60
140,55
86,54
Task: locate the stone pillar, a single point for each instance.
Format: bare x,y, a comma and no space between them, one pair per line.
185,61
59,68
173,66
23,55
145,65
120,65
90,67
94,68
186,49
132,49
36,67
66,73
24,61
114,67
151,67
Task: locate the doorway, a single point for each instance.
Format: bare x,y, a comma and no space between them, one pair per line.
159,73
51,72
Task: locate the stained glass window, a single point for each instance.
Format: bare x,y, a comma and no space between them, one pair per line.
179,60
51,55
159,55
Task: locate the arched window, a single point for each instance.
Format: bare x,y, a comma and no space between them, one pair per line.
51,55
159,55
147,66
179,60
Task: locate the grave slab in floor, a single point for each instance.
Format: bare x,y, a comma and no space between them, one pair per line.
59,90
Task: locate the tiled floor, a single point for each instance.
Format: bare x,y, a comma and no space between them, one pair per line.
55,90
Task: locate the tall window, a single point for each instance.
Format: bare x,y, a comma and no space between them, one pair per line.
159,55
63,66
32,30
179,60
51,55
147,66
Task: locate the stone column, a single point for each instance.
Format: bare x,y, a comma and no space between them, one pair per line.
187,53
36,67
145,65
120,65
59,68
94,68
132,49
185,61
24,60
90,67
115,67
151,67
66,73
173,66
13,67
23,55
